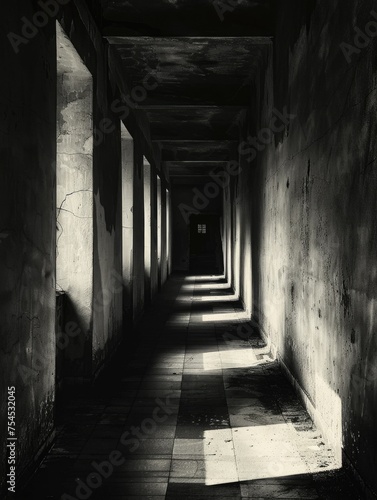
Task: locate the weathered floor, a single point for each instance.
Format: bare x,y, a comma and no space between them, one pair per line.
200,411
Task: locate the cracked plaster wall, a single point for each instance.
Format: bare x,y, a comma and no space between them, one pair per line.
74,218
28,222
127,222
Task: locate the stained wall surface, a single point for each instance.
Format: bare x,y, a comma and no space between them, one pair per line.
127,223
299,223
74,206
27,241
314,219
31,333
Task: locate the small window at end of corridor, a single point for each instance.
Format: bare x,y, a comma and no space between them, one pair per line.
202,228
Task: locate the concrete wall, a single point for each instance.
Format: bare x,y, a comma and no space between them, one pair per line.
164,236
127,223
32,345
105,303
148,209
108,281
243,234
74,205
227,233
138,211
236,230
140,279
154,233
169,231
315,218
27,235
162,243
180,229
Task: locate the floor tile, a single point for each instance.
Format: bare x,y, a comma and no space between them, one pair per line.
198,410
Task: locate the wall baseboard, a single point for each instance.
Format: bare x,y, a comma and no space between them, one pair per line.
344,461
342,457
308,404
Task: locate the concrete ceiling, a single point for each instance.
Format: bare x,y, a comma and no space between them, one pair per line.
203,67
188,17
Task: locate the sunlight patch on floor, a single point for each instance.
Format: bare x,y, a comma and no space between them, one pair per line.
225,317
262,452
216,298
206,286
205,278
236,358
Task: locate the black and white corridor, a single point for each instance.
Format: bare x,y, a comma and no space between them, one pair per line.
188,271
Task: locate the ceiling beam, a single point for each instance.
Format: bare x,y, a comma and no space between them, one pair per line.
195,155
195,142
189,107
125,41
196,98
205,163
193,172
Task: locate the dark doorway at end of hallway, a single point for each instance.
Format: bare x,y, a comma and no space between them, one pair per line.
206,255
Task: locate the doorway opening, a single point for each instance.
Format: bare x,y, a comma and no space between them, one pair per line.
206,254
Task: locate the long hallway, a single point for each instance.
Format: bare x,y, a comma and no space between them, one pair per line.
187,240
198,409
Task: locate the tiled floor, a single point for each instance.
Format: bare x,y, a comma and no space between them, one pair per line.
199,411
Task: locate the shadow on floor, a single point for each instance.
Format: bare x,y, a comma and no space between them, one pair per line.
196,408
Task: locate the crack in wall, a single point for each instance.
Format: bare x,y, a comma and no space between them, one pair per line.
71,194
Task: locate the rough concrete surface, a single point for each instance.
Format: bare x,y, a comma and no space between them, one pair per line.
27,248
266,84
314,224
